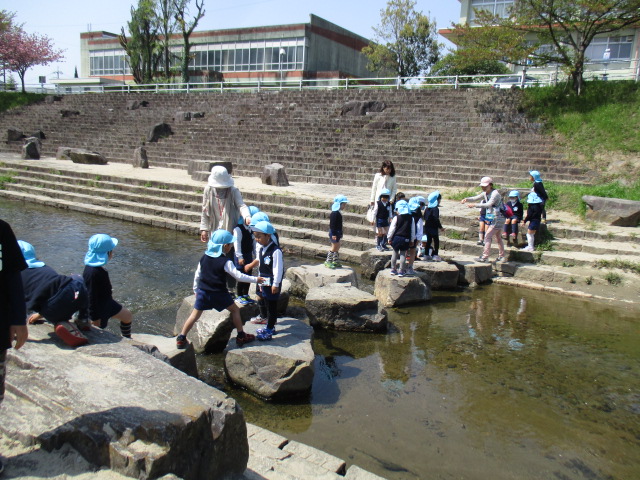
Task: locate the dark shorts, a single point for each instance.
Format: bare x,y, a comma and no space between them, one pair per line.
3,372
382,222
481,218
210,300
335,233
534,224
106,311
265,292
68,300
399,244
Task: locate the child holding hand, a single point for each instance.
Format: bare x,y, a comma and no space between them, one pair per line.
210,287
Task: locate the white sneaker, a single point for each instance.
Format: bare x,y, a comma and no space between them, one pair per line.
526,249
436,258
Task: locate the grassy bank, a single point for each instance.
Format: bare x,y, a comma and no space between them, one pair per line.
10,100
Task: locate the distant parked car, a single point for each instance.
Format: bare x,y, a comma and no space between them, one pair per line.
515,82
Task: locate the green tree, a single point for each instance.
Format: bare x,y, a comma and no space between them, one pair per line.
542,32
406,41
453,64
142,46
167,26
186,28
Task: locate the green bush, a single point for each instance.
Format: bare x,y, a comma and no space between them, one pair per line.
10,100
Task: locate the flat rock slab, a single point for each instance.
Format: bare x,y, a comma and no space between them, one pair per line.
614,211
121,408
472,272
211,332
184,360
304,277
341,306
438,275
80,155
393,291
277,369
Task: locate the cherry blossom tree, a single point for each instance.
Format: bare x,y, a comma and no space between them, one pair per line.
20,51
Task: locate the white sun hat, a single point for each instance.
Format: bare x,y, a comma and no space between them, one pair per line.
220,178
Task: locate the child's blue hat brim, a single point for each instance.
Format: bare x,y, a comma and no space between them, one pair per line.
335,207
536,175
258,217
514,193
402,207
29,254
533,198
99,247
433,199
263,227
337,201
218,240
385,192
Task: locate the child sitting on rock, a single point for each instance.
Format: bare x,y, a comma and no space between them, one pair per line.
102,306
210,287
243,246
402,232
383,214
271,268
335,231
432,226
55,297
534,215
511,221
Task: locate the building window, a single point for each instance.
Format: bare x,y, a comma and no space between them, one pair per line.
108,62
619,48
494,7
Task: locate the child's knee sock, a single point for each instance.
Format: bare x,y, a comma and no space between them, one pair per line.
336,257
272,315
403,261
262,306
514,229
125,329
530,239
507,228
481,235
379,241
329,256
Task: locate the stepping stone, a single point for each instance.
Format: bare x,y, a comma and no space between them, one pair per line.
341,306
438,275
276,369
393,291
306,277
159,346
472,272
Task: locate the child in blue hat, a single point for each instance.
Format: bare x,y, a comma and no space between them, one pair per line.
243,246
55,297
511,222
432,226
534,215
102,306
415,209
335,231
538,189
271,268
402,232
210,287
382,216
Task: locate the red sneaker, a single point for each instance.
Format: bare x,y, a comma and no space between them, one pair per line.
70,334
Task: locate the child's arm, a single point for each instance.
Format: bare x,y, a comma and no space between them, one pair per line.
237,243
278,271
196,278
392,228
250,266
230,268
473,199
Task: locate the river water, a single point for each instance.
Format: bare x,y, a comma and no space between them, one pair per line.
495,382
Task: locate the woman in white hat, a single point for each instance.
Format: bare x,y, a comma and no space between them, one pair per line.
494,219
222,204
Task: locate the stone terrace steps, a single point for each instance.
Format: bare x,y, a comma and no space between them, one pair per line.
443,137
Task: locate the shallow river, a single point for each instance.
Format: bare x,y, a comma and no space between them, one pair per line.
493,383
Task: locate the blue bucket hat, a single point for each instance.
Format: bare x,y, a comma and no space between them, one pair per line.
433,199
414,204
424,238
533,198
29,254
258,217
536,176
402,207
514,193
340,199
219,239
385,192
99,247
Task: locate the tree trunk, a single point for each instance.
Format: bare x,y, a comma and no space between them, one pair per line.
185,58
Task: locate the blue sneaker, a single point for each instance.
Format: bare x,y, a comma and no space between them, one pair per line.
265,334
249,300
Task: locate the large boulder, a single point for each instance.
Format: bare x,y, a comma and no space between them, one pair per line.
277,369
275,174
184,360
614,211
14,135
393,291
340,306
63,153
31,148
305,277
80,155
438,275
472,272
372,261
140,159
122,409
211,332
158,131
358,108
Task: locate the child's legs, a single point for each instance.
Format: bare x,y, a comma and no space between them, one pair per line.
429,242
403,259
242,289
482,226
235,317
488,238
507,226
514,226
124,315
272,313
190,322
394,259
262,305
436,243
335,247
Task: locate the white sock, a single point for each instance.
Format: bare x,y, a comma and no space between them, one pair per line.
530,239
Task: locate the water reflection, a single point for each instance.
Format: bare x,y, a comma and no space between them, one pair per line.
493,383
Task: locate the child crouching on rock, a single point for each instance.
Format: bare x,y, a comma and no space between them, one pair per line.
210,287
271,268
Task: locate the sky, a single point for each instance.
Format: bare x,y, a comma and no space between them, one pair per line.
64,20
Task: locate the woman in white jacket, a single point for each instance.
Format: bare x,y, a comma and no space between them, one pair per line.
494,218
385,178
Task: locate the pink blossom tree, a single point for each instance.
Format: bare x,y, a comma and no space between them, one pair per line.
20,51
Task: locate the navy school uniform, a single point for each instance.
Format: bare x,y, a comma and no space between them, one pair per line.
335,226
210,282
271,267
102,306
404,231
383,214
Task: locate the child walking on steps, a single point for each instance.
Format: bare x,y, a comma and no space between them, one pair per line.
271,268
335,231
210,287
402,232
534,215
382,212
511,221
102,306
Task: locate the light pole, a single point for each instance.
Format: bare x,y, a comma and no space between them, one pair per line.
606,56
281,53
